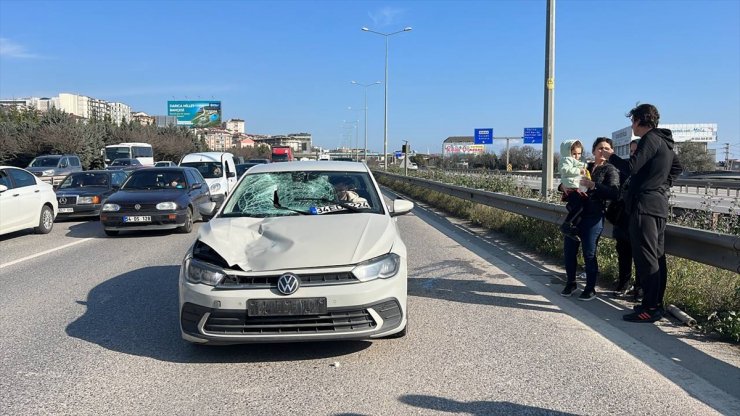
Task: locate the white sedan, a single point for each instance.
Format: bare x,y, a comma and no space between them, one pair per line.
299,251
25,202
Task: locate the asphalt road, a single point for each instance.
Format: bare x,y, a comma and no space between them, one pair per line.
89,326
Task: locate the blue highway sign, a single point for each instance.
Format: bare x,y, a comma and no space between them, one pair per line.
532,135
483,136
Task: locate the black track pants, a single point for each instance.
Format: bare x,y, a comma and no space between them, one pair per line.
647,235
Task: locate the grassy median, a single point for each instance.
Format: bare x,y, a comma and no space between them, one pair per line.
709,294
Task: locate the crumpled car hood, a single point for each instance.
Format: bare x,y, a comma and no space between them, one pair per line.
293,242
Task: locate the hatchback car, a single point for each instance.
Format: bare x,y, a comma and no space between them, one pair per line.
25,202
288,258
157,199
81,194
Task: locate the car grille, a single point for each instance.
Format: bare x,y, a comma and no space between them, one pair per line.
235,281
238,323
144,207
67,200
230,323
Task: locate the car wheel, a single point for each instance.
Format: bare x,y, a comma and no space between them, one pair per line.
111,233
46,221
188,226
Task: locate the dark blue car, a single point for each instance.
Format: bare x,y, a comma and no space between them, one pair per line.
157,199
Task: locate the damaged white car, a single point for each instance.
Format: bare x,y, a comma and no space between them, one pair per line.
299,251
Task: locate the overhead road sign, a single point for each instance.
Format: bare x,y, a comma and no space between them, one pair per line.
532,135
483,136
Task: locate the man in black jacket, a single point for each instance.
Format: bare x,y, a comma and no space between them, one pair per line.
652,169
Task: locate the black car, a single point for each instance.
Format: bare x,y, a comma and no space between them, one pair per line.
125,164
157,199
243,167
81,194
258,161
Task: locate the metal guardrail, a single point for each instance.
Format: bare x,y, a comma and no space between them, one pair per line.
714,249
705,186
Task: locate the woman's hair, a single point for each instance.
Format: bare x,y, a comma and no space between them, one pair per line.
602,139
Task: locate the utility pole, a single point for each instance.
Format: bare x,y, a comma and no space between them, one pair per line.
727,156
548,132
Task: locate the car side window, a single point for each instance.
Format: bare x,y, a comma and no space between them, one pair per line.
192,179
22,178
74,161
5,180
63,162
118,178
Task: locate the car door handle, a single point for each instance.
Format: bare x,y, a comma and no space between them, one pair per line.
16,195
37,191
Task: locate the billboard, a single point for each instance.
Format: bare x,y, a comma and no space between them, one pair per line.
463,149
703,132
195,113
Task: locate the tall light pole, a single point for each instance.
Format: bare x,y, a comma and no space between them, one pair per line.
385,119
365,88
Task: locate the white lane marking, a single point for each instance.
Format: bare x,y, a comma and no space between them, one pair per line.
10,263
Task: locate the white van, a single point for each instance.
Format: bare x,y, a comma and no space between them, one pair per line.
218,169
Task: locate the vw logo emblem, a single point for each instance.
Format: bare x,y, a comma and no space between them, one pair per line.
137,206
288,284
62,200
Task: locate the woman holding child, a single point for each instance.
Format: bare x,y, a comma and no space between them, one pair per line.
603,186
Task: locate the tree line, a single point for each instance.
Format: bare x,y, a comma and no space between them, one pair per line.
26,133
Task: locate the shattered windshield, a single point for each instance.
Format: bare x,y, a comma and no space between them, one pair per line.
303,193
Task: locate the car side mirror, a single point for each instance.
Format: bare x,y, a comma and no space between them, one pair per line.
197,186
400,207
3,188
207,208
231,174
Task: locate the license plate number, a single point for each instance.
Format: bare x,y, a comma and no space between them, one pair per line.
137,218
62,210
286,307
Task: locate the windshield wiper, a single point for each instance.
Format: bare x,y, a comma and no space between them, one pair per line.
276,204
342,204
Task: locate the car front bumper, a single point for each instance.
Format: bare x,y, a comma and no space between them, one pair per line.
160,220
361,310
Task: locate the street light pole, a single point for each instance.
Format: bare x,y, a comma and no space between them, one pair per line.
365,88
385,119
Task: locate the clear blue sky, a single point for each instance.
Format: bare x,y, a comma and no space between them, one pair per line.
286,66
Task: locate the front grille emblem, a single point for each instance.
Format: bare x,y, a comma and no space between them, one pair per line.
288,284
63,200
137,207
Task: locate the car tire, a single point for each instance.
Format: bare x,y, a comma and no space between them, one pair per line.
46,221
111,233
188,226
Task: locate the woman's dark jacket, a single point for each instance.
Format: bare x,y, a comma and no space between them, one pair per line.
606,180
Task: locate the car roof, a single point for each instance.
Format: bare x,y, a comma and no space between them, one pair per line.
309,165
166,169
96,171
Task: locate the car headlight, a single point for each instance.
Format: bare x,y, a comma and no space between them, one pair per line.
48,172
215,187
380,267
198,272
111,207
88,200
166,206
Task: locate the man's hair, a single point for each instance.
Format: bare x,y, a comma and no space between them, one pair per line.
600,140
645,115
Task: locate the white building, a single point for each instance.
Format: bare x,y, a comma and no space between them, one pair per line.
235,125
700,132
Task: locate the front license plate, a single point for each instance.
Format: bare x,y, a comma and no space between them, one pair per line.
286,307
63,210
137,218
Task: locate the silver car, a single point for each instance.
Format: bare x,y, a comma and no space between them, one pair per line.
299,251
